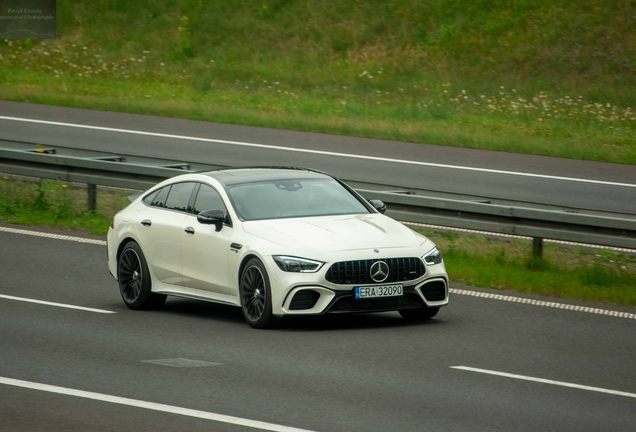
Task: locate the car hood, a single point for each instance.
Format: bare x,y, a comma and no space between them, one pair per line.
335,233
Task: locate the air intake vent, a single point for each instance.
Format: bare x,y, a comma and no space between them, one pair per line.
349,304
434,291
304,299
359,272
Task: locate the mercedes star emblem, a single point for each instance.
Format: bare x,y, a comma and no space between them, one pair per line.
379,271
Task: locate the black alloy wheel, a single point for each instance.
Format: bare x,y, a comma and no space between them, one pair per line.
256,300
134,280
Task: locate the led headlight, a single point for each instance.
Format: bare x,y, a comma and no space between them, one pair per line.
433,257
296,265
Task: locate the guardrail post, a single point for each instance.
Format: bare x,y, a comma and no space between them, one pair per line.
92,197
537,247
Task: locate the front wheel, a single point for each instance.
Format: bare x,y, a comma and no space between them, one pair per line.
256,295
419,314
134,280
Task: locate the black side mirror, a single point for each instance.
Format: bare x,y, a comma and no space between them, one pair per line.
378,205
212,217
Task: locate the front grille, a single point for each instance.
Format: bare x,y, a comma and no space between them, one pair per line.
350,304
304,299
434,291
358,272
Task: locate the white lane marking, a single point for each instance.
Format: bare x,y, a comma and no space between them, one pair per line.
62,305
546,381
542,303
320,152
150,405
53,236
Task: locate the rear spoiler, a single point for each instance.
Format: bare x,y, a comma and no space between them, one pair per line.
133,197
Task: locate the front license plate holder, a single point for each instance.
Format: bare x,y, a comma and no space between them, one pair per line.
364,292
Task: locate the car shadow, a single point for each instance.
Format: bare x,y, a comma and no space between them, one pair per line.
352,321
203,310
330,322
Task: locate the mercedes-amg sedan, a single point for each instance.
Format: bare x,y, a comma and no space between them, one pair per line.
275,242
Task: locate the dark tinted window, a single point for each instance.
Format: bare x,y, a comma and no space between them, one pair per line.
179,196
158,199
208,199
150,198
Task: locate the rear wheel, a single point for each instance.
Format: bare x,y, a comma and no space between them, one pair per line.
134,280
419,314
256,298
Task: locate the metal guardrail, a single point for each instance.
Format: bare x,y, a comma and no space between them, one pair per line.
528,222
91,167
134,172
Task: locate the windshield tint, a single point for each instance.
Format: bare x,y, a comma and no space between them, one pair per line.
293,198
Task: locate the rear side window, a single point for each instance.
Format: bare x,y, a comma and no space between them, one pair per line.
158,197
208,199
148,199
179,196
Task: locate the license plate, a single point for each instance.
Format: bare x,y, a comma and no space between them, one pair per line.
378,291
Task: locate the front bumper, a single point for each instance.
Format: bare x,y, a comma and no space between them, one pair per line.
319,300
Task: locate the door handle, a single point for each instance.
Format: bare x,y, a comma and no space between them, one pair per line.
146,222
189,230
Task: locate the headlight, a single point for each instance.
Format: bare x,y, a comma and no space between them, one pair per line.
296,265
433,257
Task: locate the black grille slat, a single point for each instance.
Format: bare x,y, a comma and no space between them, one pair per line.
358,272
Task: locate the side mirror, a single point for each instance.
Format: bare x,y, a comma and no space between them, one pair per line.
378,205
212,217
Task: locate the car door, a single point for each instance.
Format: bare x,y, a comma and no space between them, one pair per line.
160,231
205,250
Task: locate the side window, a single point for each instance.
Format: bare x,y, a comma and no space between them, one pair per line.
158,197
150,198
208,199
179,196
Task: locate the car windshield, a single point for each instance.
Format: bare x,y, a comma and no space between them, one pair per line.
293,198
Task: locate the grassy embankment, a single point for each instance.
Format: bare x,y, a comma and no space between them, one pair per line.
555,78
596,275
572,273
532,76
57,205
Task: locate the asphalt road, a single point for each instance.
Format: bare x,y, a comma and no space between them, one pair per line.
497,175
371,372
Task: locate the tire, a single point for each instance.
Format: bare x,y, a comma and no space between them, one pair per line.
134,280
256,298
419,314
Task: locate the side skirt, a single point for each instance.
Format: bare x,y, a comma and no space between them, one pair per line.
200,295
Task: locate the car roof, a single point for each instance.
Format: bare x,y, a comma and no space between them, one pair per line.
234,176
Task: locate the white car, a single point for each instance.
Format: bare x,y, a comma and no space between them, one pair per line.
274,241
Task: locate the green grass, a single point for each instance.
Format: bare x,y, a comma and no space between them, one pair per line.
57,205
546,77
596,275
